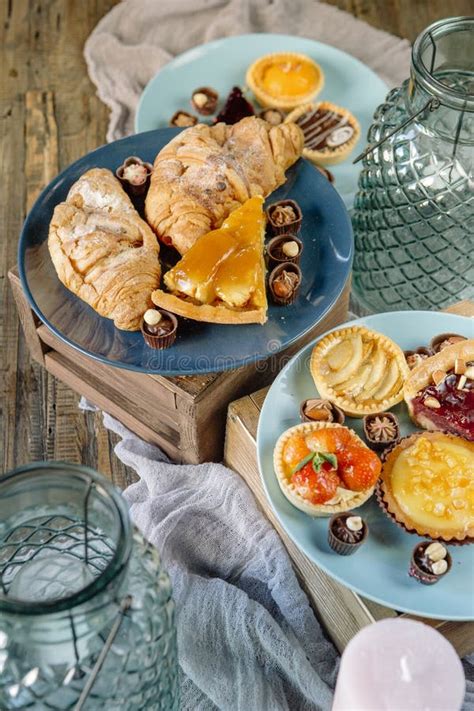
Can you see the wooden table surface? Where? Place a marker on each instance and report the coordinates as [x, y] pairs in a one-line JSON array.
[[49, 117]]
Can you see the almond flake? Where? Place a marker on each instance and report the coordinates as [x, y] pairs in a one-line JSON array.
[[432, 402], [461, 383], [459, 366], [438, 376]]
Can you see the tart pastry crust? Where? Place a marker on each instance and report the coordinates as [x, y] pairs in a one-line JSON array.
[[327, 155], [281, 93], [426, 486], [420, 377], [345, 499], [360, 370], [206, 172]]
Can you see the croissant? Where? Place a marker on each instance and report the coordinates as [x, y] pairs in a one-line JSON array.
[[206, 172], [103, 251]]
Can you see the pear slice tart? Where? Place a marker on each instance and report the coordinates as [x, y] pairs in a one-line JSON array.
[[359, 370], [324, 468]]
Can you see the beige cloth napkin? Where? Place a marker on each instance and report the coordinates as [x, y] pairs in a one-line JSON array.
[[135, 39]]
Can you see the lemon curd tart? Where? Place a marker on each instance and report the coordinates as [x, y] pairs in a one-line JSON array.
[[427, 486], [284, 80], [221, 278]]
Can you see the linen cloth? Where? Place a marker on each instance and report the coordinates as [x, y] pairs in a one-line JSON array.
[[137, 37], [248, 640]]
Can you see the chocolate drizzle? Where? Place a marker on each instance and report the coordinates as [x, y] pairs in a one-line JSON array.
[[318, 125]]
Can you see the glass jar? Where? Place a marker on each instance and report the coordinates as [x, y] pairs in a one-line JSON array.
[[86, 615], [413, 214]]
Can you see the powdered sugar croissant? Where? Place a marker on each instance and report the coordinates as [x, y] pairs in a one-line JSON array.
[[206, 172], [103, 251]]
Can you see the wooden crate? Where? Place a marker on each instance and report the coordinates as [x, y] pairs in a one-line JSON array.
[[341, 611], [184, 415]]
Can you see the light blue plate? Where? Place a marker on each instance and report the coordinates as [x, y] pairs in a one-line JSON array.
[[378, 570], [223, 63]]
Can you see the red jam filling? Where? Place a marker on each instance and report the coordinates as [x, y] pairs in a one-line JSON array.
[[456, 405]]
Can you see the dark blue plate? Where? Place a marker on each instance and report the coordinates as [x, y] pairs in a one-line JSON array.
[[200, 347]]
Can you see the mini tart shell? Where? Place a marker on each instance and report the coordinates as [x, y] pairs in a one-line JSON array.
[[389, 504], [348, 405], [420, 377], [330, 156], [319, 510], [285, 102]]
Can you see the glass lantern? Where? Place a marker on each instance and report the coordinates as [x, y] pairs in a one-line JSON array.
[[413, 215], [86, 614]]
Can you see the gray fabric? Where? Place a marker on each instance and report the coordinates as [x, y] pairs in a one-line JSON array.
[[247, 637], [137, 37]]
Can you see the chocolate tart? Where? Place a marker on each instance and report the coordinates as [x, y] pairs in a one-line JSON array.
[[442, 340], [283, 285], [341, 539], [204, 100], [439, 392], [183, 119], [414, 358], [381, 430], [272, 116], [157, 337], [134, 175], [284, 80], [425, 486], [423, 569], [344, 500], [321, 408], [284, 217], [360, 370], [330, 131], [276, 250]]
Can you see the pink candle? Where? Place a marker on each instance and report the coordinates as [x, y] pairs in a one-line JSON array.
[[399, 665]]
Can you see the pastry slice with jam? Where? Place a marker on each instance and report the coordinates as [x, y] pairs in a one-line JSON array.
[[440, 391]]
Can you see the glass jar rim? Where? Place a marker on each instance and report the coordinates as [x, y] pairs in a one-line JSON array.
[[446, 95], [113, 568]]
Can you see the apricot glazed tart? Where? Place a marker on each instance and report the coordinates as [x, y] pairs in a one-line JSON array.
[[330, 131], [284, 80], [221, 278], [427, 486], [359, 370], [439, 392], [324, 468]]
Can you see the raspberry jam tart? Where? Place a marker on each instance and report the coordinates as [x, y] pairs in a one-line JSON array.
[[440, 391], [325, 468]]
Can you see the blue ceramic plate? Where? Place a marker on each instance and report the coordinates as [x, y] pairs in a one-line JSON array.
[[223, 63], [199, 348], [378, 570]]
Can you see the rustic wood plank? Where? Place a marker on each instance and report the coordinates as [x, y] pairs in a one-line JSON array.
[[64, 369], [29, 321]]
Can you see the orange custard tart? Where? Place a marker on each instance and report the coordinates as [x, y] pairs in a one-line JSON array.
[[427, 486], [359, 370], [324, 468], [284, 80]]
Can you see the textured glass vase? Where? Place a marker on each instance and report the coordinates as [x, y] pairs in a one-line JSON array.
[[86, 615], [413, 214]]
